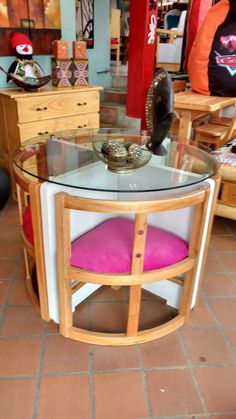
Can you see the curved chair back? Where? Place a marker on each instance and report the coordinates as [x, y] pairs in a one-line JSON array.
[[171, 19], [72, 277], [29, 209]]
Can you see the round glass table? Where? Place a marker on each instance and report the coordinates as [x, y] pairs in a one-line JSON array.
[[109, 164], [74, 158]]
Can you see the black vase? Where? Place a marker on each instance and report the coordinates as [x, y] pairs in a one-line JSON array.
[[4, 188]]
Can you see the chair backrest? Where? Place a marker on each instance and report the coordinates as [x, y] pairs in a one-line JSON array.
[[182, 21], [115, 24], [140, 210], [171, 19]]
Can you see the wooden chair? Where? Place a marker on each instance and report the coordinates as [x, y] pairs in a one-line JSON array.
[[115, 34], [215, 135], [28, 199], [74, 274], [168, 55]]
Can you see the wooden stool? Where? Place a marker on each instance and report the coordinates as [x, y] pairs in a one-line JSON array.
[[215, 136], [226, 204]]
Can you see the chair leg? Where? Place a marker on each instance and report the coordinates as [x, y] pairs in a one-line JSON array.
[[187, 295], [65, 304], [134, 309]]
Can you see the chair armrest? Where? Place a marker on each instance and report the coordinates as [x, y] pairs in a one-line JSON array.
[[172, 34]]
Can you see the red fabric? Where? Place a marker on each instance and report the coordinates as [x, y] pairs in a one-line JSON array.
[[108, 247], [114, 41], [27, 225], [20, 39], [142, 49]]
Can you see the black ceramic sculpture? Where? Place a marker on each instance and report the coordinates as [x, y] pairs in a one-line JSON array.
[[159, 110], [4, 188]]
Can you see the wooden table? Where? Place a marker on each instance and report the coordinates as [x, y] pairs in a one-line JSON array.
[[190, 106], [66, 161]]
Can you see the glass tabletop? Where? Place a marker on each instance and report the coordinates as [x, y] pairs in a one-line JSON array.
[[112, 160]]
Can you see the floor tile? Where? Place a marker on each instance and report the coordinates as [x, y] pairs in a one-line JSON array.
[[231, 335], [224, 309], [11, 206], [111, 357], [108, 317], [73, 356], [232, 416], [213, 263], [218, 388], [206, 346], [20, 272], [19, 294], [229, 260], [231, 225], [11, 218], [223, 243], [154, 313], [7, 267], [22, 321], [19, 356], [201, 316], [17, 398], [119, 395], [10, 233], [10, 249], [220, 226], [81, 316], [64, 397], [52, 327], [173, 393], [4, 287], [163, 352], [216, 285]]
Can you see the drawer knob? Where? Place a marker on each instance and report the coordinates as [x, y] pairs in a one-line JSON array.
[[82, 126], [44, 108], [42, 133], [79, 126], [81, 104]]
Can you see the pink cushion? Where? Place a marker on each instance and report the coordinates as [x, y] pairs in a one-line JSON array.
[[27, 225], [108, 247], [114, 41]]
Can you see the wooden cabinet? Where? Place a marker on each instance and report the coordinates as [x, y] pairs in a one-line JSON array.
[[24, 115]]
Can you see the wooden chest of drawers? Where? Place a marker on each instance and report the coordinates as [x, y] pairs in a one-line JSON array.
[[24, 115]]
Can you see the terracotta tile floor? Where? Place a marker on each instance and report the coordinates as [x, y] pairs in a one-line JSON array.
[[188, 374]]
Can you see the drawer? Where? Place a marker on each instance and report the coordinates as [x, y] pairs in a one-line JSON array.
[[32, 129], [54, 106], [82, 121]]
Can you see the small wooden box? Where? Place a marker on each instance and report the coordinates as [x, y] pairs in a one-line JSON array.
[[60, 49], [67, 73], [79, 50]]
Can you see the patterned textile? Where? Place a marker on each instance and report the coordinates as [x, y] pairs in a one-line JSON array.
[[70, 72]]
